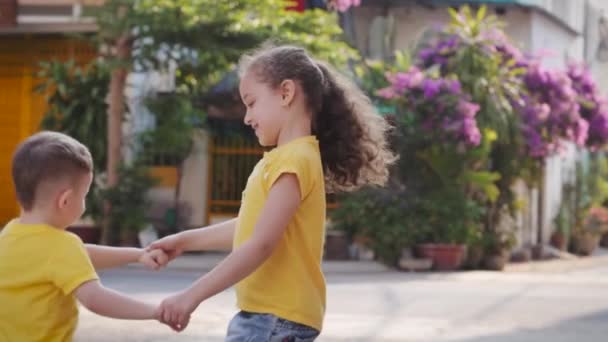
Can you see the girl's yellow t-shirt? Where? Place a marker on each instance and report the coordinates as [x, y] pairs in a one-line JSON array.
[[290, 284]]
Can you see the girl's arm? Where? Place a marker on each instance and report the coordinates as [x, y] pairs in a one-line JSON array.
[[109, 257], [282, 203], [216, 237]]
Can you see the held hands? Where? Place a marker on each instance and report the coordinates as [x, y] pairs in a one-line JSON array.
[[161, 252], [154, 259], [175, 311], [170, 245]]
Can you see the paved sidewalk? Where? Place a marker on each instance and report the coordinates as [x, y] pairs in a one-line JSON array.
[[368, 303]]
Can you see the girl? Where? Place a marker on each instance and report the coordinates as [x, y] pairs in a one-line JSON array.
[[327, 136]]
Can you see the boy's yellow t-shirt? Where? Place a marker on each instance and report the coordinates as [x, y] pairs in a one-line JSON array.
[[40, 267], [290, 284]]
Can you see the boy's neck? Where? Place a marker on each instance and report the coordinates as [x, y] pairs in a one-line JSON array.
[[38, 217]]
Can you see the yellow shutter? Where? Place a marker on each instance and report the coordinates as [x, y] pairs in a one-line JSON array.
[[20, 109]]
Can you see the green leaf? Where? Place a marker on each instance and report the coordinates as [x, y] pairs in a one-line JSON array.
[[481, 13]]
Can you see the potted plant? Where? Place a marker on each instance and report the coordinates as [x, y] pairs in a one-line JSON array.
[[128, 199], [77, 107], [560, 237], [497, 249], [604, 240], [384, 220], [586, 237], [452, 221]]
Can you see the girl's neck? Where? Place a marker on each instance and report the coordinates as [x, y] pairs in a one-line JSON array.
[[295, 129]]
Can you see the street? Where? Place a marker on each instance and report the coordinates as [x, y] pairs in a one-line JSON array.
[[391, 306]]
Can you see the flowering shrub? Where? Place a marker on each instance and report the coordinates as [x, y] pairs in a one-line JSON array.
[[342, 5], [550, 112], [593, 107], [437, 104]]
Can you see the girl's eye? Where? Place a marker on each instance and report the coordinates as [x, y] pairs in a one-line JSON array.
[[251, 104]]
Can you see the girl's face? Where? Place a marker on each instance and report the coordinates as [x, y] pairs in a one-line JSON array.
[[265, 110]]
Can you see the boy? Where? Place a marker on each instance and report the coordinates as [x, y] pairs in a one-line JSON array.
[[43, 268]]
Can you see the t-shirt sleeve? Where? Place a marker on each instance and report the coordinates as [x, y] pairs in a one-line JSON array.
[[293, 164], [70, 265]]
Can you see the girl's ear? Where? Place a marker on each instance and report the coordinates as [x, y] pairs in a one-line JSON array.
[[287, 91]]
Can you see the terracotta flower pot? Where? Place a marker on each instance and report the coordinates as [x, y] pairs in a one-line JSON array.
[[473, 258], [495, 262], [336, 246], [446, 257], [559, 241], [604, 240], [585, 243]]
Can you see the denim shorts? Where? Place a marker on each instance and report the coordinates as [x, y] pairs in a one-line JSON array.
[[255, 327]]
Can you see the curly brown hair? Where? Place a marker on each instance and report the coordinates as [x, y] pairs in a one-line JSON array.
[[352, 135]]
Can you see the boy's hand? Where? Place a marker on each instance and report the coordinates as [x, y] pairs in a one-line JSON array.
[[169, 244], [154, 259], [176, 310]]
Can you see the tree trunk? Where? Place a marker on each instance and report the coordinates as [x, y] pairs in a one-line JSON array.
[[178, 186], [541, 209], [116, 108]]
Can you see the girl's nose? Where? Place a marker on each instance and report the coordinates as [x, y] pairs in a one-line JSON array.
[[247, 119]]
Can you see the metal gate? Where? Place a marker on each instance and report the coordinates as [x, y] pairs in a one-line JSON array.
[[232, 157]]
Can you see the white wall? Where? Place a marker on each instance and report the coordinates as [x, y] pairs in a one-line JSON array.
[[194, 182], [546, 34], [560, 45], [412, 21], [599, 67]]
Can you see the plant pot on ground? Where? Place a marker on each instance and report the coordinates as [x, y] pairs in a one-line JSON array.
[[584, 243], [559, 240], [586, 237], [497, 249], [474, 257], [445, 257], [604, 240], [336, 245], [496, 261]]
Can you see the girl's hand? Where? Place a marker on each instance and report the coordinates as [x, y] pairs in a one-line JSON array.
[[176, 310], [171, 245]]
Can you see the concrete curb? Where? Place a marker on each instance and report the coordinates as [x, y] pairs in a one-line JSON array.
[[559, 265], [204, 262]]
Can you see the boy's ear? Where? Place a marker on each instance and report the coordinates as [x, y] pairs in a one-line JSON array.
[[64, 197]]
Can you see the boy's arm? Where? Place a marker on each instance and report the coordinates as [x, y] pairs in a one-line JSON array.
[[108, 303], [109, 257]]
